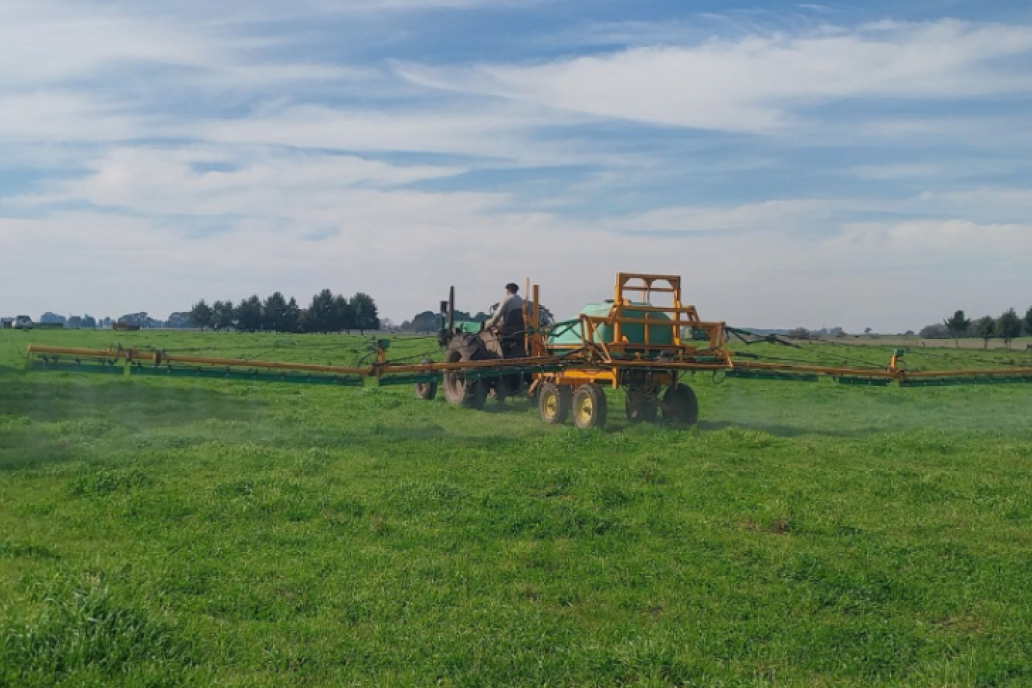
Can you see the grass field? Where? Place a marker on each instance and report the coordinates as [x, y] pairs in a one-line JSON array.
[[1017, 346], [177, 532]]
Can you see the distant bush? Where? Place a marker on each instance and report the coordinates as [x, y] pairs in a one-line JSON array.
[[936, 331]]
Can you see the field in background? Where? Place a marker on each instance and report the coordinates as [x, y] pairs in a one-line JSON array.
[[1017, 345], [181, 532]]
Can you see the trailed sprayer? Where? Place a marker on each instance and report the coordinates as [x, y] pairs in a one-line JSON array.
[[644, 341]]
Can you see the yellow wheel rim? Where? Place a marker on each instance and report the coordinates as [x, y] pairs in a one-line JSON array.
[[551, 405], [585, 410]]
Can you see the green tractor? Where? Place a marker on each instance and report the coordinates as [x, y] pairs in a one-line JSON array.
[[467, 340]]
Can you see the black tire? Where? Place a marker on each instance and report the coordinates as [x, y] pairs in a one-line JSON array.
[[509, 388], [639, 409], [554, 403], [426, 391], [590, 408], [681, 405], [471, 347], [459, 391]]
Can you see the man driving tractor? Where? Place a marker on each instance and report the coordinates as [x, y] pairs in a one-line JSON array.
[[507, 322]]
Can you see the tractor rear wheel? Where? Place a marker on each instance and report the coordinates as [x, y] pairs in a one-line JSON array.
[[426, 391], [589, 407], [680, 405], [553, 403], [458, 390]]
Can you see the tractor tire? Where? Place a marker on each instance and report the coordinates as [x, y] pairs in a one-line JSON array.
[[681, 406], [639, 409], [459, 391], [589, 407], [509, 388], [426, 391], [554, 403]]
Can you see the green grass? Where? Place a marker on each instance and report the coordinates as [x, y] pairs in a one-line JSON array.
[[194, 532]]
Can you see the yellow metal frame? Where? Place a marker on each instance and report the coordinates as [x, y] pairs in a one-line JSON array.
[[597, 361]]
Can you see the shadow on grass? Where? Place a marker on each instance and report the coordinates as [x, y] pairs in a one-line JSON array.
[[124, 401], [58, 420], [780, 430], [508, 408]]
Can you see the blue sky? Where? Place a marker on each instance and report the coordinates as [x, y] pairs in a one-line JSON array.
[[836, 163]]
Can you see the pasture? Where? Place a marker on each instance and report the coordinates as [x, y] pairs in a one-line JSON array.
[[178, 532]]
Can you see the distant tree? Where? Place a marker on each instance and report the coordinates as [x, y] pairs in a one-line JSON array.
[[342, 318], [318, 316], [959, 325], [52, 318], [387, 324], [427, 321], [1028, 321], [89, 322], [1008, 326], [291, 317], [105, 322], [202, 315], [223, 315], [274, 312], [141, 319], [867, 331], [936, 331], [364, 312], [74, 322], [178, 320], [799, 333], [985, 329], [249, 314]]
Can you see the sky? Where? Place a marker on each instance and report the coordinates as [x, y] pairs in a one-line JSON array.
[[830, 164]]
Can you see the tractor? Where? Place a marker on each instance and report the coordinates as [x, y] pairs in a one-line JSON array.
[[622, 343], [464, 341]]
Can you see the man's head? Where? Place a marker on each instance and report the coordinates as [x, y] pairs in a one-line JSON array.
[[511, 288]]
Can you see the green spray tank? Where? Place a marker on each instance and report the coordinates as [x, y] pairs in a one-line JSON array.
[[568, 333]]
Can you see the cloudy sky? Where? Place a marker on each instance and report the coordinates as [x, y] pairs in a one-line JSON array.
[[841, 163]]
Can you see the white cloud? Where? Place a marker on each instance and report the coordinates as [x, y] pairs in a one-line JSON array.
[[46, 40], [54, 42], [63, 116], [754, 83], [928, 240], [494, 131], [1003, 204], [216, 182], [778, 215]]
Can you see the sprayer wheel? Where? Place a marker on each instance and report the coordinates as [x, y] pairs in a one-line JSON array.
[[680, 405], [553, 403], [589, 407], [640, 409], [426, 391]]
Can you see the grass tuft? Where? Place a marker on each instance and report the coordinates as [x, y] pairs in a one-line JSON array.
[[87, 632]]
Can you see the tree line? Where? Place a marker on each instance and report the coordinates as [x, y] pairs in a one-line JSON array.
[[428, 321], [327, 312], [1007, 326]]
